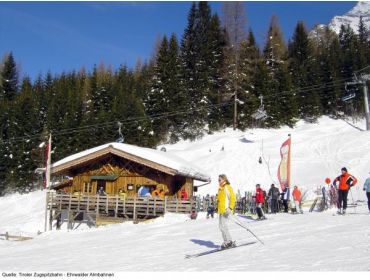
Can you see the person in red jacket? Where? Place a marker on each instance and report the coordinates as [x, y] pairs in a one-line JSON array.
[[297, 197], [184, 195], [260, 200], [346, 181]]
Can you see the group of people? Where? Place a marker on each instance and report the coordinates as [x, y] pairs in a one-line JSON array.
[[273, 199], [226, 200], [144, 191]]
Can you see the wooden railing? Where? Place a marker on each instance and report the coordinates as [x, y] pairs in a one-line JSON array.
[[117, 206]]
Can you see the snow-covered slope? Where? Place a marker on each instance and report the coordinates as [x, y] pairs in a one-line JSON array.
[[352, 18], [309, 242], [318, 151]]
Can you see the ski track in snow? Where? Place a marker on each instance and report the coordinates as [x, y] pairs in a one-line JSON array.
[[310, 242]]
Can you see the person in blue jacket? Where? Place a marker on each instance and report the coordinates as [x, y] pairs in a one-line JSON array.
[[144, 192], [367, 190]]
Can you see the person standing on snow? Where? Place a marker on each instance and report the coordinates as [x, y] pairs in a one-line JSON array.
[[297, 197], [225, 207], [274, 194], [367, 190], [260, 200], [286, 197], [346, 181]]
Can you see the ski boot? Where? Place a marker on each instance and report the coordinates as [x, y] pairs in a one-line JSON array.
[[339, 212], [227, 245], [344, 212]]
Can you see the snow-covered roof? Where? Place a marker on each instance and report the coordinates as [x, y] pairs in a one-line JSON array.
[[146, 156]]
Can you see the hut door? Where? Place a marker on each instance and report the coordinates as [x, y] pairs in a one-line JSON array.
[[101, 183]]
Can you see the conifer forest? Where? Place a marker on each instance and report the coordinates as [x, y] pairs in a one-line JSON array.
[[214, 76]]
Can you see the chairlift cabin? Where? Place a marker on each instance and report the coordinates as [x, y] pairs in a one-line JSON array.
[[261, 113], [350, 89]]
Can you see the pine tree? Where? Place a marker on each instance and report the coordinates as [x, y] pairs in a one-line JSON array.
[[348, 64], [275, 55], [327, 53], [275, 51], [189, 56], [175, 90], [26, 124], [347, 40], [198, 50], [287, 102], [158, 99], [249, 58], [235, 22], [128, 109], [363, 51], [262, 86], [142, 80], [216, 64], [304, 74], [9, 78], [200, 100], [102, 96], [8, 94]]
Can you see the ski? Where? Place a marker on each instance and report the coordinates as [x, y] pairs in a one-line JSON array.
[[251, 218], [217, 250]]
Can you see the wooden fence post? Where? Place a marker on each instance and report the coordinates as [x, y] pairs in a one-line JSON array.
[[124, 205], [69, 211], [165, 204], [155, 206], [134, 214], [97, 206], [51, 213], [115, 212]]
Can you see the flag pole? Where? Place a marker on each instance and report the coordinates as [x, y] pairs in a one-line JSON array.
[[47, 177], [48, 161], [289, 158]]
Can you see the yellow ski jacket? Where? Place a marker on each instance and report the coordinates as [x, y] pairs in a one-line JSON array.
[[225, 198]]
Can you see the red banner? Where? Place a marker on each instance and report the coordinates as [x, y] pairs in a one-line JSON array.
[[284, 166]]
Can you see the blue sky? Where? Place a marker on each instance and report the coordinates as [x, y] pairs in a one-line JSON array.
[[64, 36]]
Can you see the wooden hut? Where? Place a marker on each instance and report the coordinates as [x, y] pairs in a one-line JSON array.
[[117, 166]]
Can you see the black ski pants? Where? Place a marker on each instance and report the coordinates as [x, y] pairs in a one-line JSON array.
[[260, 210], [285, 203], [368, 199], [274, 205], [342, 197]]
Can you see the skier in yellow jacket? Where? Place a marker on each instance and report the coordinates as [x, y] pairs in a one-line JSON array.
[[226, 204]]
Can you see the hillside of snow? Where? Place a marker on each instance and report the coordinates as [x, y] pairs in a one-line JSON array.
[[352, 18], [317, 241], [309, 242], [318, 151]]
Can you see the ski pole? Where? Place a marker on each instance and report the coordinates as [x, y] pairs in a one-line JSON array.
[[355, 204], [241, 225]]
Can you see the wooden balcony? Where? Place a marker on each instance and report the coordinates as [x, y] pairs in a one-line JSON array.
[[95, 209]]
